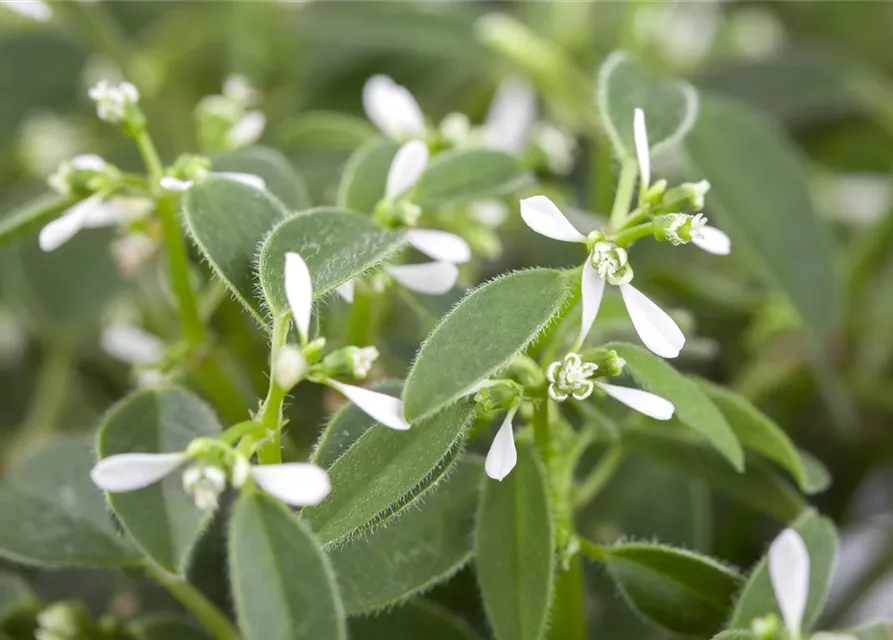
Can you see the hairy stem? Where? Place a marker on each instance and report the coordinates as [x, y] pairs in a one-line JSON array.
[[629, 235], [198, 605], [625, 186], [271, 411]]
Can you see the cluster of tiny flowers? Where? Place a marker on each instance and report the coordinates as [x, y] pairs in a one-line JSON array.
[[114, 100], [611, 262], [204, 483], [571, 378]]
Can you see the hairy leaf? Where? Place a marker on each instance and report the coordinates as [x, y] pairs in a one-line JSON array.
[[413, 621], [282, 180], [468, 174], [363, 182]]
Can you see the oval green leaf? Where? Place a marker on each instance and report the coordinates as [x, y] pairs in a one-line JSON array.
[[161, 519], [318, 130], [514, 550], [481, 336], [381, 469], [336, 245], [282, 180], [30, 217], [674, 588], [468, 174], [758, 599], [55, 515], [282, 583], [756, 432], [670, 106], [693, 407], [759, 194], [422, 548], [415, 620], [363, 182], [228, 221]]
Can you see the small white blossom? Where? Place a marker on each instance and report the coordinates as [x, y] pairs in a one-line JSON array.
[[205, 484], [611, 263], [571, 378], [247, 129], [364, 358], [290, 367], [114, 100], [789, 574], [392, 109]]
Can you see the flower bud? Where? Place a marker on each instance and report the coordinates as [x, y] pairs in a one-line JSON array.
[[497, 397], [608, 361], [350, 361], [678, 228], [686, 198], [290, 367], [62, 621], [313, 350], [767, 627], [655, 192], [205, 483], [400, 213], [119, 104], [84, 175]]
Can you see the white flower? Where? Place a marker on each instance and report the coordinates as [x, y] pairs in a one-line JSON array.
[[247, 129], [299, 292], [113, 100], [392, 109], [95, 211], [789, 573], [297, 484], [290, 367], [131, 344], [170, 183], [502, 456], [34, 9], [655, 328], [510, 118]]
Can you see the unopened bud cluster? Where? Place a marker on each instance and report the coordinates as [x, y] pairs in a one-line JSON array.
[[400, 213], [678, 228], [353, 362], [118, 104], [228, 120], [84, 175], [498, 396]]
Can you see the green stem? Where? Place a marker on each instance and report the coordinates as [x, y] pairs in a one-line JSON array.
[[198, 605], [600, 475], [271, 411], [541, 438], [592, 550], [629, 235], [625, 186]]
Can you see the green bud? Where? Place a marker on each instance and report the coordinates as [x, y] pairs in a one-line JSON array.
[[63, 621], [498, 397], [685, 198], [191, 167], [313, 350], [393, 214], [655, 192], [767, 627], [349, 362], [609, 361]]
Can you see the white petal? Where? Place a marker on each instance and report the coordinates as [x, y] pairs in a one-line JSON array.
[[245, 178], [247, 129], [406, 169], [544, 217], [66, 226], [502, 456], [824, 635], [170, 183], [440, 245], [346, 291], [299, 292], [118, 210], [646, 403], [35, 9], [131, 344], [132, 471], [656, 329], [592, 289], [640, 135], [386, 409], [433, 278], [392, 108], [299, 484], [789, 573], [510, 116], [88, 162], [714, 241]]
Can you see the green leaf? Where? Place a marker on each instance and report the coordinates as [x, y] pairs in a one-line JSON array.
[[735, 635], [167, 627], [161, 518], [759, 485], [61, 519], [381, 469], [325, 130], [15, 595], [693, 407], [422, 548], [363, 182], [228, 221], [877, 631], [336, 245], [468, 174], [674, 588], [413, 621], [756, 432], [514, 550], [818, 478], [758, 599], [282, 583], [759, 193], [670, 106], [481, 336], [280, 177], [29, 218]]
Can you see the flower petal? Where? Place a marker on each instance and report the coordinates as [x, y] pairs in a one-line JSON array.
[[299, 292], [386, 409], [132, 471], [66, 226], [34, 9], [247, 129], [544, 217], [131, 344], [656, 329], [299, 484], [346, 291], [406, 168], [592, 290], [789, 574], [714, 241], [116, 211], [170, 183], [502, 456], [510, 117], [432, 278], [645, 403], [440, 245], [392, 108], [640, 136], [245, 178]]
